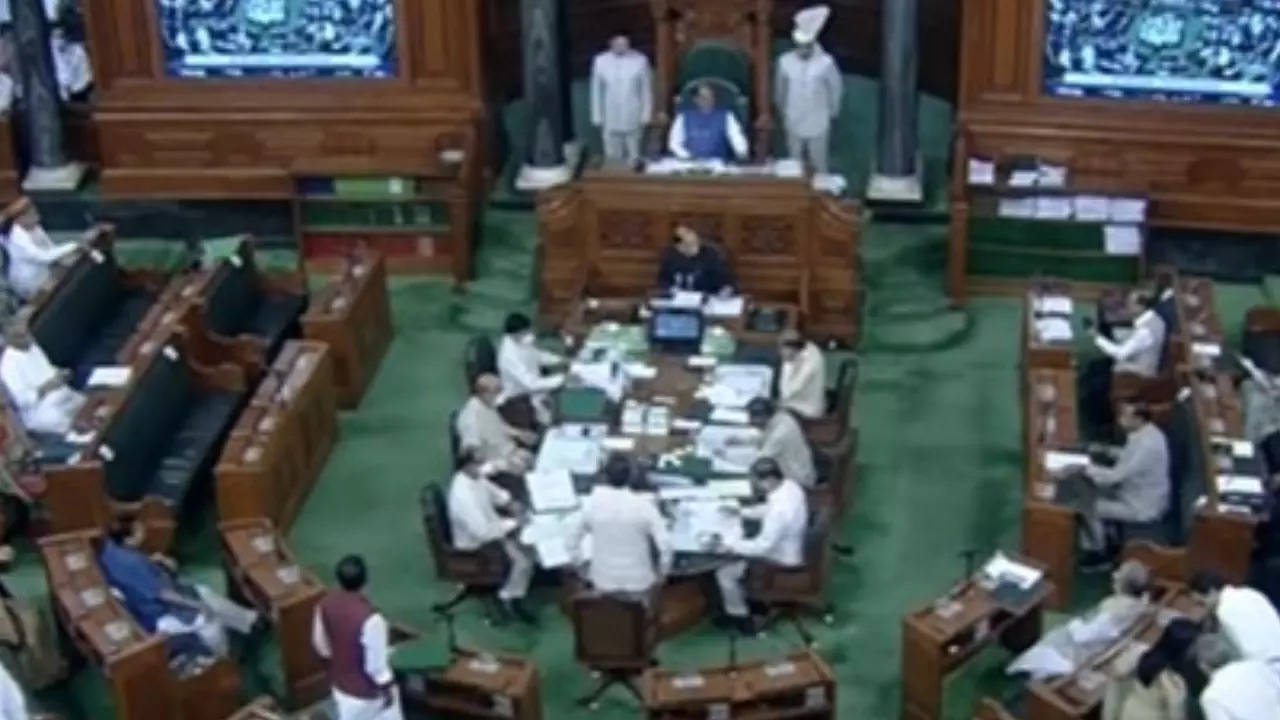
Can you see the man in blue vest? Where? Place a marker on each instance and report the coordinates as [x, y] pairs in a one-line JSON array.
[[707, 132]]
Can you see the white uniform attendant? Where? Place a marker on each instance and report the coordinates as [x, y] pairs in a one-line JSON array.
[[784, 519], [802, 386], [732, 128], [1244, 690], [1251, 623], [626, 531], [1140, 352], [24, 372], [474, 518], [784, 441], [31, 257], [621, 101], [71, 66], [482, 429], [520, 365], [13, 705], [374, 639], [808, 90]]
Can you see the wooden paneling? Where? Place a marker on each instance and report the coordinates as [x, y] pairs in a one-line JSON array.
[[243, 138], [1201, 166], [852, 35]]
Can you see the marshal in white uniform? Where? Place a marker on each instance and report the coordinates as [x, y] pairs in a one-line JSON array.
[[621, 99], [808, 91]]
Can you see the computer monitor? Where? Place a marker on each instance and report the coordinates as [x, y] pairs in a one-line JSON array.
[[672, 330]]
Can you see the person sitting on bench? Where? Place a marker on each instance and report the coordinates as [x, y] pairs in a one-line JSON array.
[[45, 402]]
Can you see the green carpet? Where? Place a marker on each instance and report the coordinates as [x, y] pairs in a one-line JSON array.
[[938, 473]]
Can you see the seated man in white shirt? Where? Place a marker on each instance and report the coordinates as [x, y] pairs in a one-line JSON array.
[[783, 439], [1243, 616], [480, 426], [474, 517], [1238, 689], [802, 385], [630, 551], [520, 366], [707, 132], [32, 254], [784, 520], [45, 402]]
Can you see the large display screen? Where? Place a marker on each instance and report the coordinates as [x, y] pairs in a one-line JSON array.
[[278, 38], [1192, 51]]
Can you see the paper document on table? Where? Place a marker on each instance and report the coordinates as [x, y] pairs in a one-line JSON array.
[[735, 488], [1057, 460], [1240, 485], [1053, 330], [618, 444], [1242, 449], [113, 376], [1023, 178], [981, 172], [1210, 350], [696, 524], [1053, 305], [731, 448], [724, 307], [728, 415], [685, 300], [606, 376], [549, 535], [1020, 208], [1122, 240], [788, 168], [1054, 176], [1053, 207], [551, 490], [746, 381], [1092, 208], [1128, 210], [640, 371], [1001, 568], [576, 454]]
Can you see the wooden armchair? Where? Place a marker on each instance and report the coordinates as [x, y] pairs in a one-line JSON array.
[[614, 635], [727, 42], [788, 592], [834, 463], [831, 427], [478, 572]]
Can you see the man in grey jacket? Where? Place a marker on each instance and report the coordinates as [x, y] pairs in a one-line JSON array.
[[1136, 487]]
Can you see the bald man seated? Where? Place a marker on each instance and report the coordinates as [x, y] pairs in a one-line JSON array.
[[483, 431]]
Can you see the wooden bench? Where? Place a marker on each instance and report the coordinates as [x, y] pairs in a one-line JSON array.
[[264, 573], [88, 310], [281, 441], [152, 443], [353, 315], [134, 662]]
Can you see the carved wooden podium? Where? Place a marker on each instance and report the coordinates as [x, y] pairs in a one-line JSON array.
[[683, 25]]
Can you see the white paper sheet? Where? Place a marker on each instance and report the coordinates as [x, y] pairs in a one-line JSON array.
[[551, 490], [1122, 240], [728, 415], [113, 376], [1128, 210], [1057, 461], [694, 523], [720, 307], [1053, 207], [981, 172], [1000, 567], [1023, 178], [1054, 330], [1054, 305], [1242, 449], [564, 451], [1240, 485], [1092, 208], [1210, 350], [1019, 208], [1051, 176]]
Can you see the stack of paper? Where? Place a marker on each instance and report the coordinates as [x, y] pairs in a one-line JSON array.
[[1092, 208], [747, 382], [697, 525], [1053, 329], [114, 376], [549, 534], [788, 168], [563, 451], [551, 490], [1002, 569], [1019, 208], [731, 448], [1051, 176], [981, 172], [1024, 178], [1122, 240], [1053, 207], [1058, 461], [722, 307], [1240, 485], [1128, 210], [1053, 305]]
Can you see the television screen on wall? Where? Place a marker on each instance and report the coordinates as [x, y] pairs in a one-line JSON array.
[[278, 38], [1189, 51]]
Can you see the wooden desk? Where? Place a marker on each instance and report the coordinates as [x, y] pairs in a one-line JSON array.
[[1035, 352], [353, 315], [263, 571], [1050, 422], [136, 664], [1079, 695], [282, 440], [934, 646], [800, 687], [475, 686], [604, 234]]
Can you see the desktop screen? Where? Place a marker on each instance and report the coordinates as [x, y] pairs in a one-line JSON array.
[[1190, 51], [278, 38], [671, 326]]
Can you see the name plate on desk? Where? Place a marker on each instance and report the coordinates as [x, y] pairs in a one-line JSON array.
[[484, 665], [781, 669], [503, 705], [76, 561], [688, 682], [93, 597], [289, 574], [264, 544]]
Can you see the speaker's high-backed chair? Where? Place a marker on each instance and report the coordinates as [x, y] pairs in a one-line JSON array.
[[727, 43]]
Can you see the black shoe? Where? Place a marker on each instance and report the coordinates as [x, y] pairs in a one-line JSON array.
[[746, 626], [517, 609]]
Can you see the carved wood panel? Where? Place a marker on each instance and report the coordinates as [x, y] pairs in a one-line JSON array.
[[768, 236], [625, 230]]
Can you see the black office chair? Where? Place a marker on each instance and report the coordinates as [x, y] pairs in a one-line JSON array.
[[455, 440], [614, 636], [479, 572], [789, 592]]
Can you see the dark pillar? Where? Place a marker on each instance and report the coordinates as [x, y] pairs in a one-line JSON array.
[[897, 171], [544, 94]]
